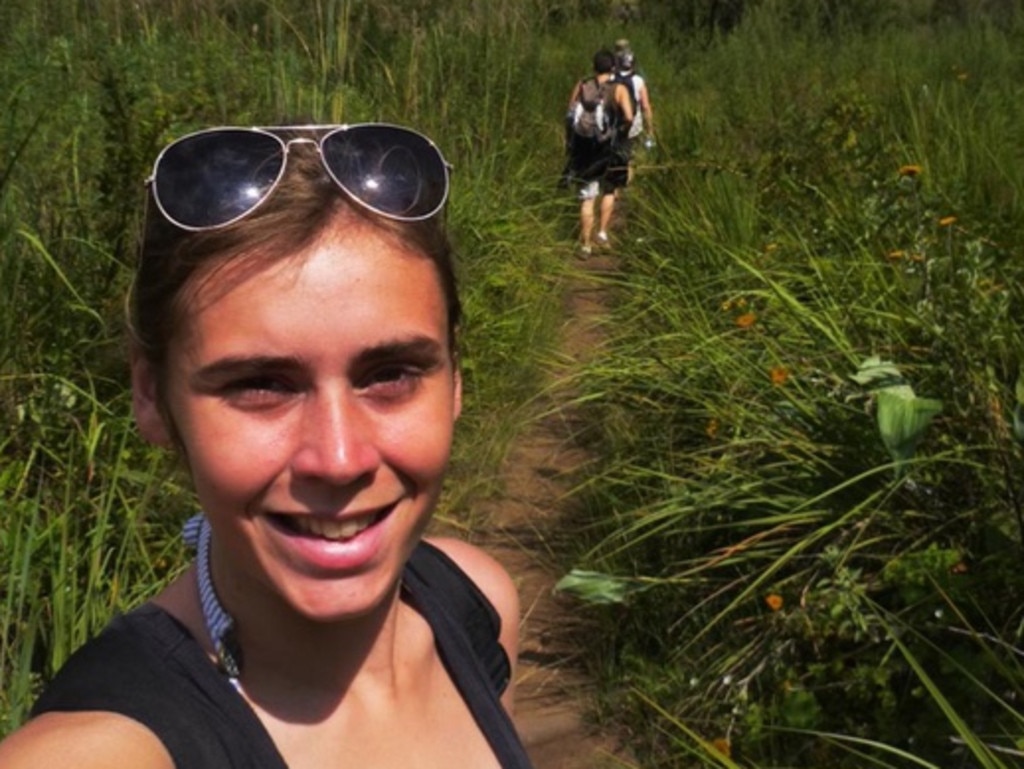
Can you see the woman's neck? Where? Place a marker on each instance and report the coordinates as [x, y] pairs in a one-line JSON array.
[[284, 657]]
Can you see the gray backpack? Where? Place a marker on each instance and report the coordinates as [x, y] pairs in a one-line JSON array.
[[593, 114]]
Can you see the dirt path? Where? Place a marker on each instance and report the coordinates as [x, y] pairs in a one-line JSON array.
[[523, 531]]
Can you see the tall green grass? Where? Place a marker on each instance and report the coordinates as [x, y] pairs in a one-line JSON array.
[[808, 519], [804, 563]]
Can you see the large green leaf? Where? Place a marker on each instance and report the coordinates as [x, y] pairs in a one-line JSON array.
[[874, 374], [595, 587], [903, 419]]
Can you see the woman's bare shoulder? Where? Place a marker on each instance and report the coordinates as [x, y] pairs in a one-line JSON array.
[[500, 588], [488, 574], [85, 740]]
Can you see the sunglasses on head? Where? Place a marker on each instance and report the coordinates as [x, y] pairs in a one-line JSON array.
[[215, 177]]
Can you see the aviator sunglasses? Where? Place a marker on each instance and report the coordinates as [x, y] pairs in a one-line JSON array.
[[215, 177]]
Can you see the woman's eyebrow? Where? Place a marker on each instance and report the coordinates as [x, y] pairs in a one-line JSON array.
[[242, 365], [231, 367], [415, 347]]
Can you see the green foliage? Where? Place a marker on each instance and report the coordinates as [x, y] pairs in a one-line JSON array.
[[809, 458], [902, 416], [792, 561]]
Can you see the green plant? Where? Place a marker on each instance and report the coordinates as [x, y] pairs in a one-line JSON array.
[[818, 543]]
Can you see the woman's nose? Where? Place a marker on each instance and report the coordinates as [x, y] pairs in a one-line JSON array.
[[337, 441]]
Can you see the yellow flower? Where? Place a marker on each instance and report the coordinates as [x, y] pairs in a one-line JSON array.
[[727, 305], [945, 221], [712, 428], [911, 169], [771, 247], [723, 746], [746, 320], [779, 375], [774, 601], [895, 255]]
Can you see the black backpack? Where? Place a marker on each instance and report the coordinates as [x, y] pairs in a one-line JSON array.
[[627, 80]]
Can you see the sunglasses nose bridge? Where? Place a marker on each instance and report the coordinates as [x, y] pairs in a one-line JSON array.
[[299, 140], [286, 145]]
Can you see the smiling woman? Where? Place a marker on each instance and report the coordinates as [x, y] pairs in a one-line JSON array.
[[294, 329]]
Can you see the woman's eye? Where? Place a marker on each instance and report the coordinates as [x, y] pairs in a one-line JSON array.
[[257, 391], [392, 382]]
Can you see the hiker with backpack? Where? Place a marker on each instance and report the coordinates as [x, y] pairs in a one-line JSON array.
[[597, 135], [643, 113]]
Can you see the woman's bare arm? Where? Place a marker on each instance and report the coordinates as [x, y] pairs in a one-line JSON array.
[[625, 103], [647, 109], [575, 93], [83, 740]]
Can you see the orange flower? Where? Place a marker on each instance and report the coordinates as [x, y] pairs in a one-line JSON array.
[[774, 601], [911, 169], [945, 221], [746, 320], [723, 746], [779, 375]]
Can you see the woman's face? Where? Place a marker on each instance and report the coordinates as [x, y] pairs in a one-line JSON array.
[[315, 402]]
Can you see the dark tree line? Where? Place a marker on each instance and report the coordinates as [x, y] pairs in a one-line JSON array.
[[681, 21]]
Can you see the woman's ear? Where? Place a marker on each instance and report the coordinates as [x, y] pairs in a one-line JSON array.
[[456, 385], [146, 402], [457, 392]]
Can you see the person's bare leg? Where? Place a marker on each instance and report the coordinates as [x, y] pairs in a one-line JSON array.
[[586, 223], [607, 208]]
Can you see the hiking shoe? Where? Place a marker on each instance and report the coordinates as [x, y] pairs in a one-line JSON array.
[[602, 238], [584, 251]]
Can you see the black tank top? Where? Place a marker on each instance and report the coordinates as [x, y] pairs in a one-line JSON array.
[[147, 666]]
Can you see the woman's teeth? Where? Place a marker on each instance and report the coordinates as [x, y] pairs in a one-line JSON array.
[[331, 529]]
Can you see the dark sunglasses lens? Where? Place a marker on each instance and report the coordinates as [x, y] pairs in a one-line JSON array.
[[211, 179], [388, 169]]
